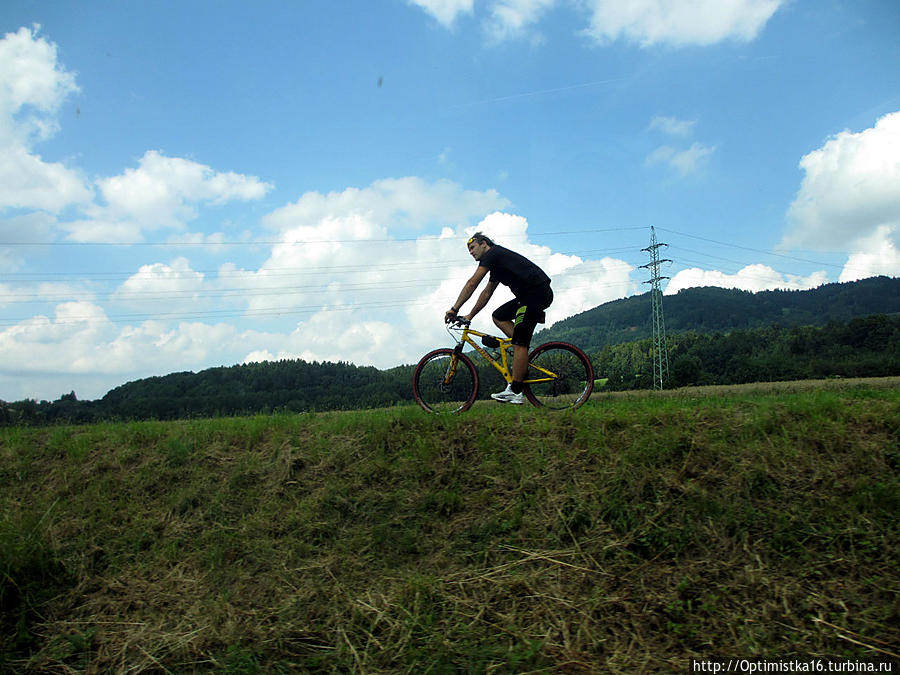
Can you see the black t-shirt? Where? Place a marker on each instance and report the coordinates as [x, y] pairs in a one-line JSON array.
[[513, 270]]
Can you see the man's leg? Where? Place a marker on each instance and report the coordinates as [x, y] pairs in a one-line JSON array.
[[513, 391], [527, 318], [520, 353], [506, 326], [520, 363], [503, 319]]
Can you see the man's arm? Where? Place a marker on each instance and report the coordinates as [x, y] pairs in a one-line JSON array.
[[466, 293], [483, 299]]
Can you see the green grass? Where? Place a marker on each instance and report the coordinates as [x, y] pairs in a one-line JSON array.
[[630, 536]]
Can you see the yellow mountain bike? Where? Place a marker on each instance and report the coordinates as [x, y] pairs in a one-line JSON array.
[[560, 376]]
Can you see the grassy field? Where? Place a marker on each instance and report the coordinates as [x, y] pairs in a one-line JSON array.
[[628, 537]]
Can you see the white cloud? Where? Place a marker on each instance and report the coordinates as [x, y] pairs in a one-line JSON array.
[[445, 11], [28, 182], [334, 259], [514, 18], [29, 293], [162, 288], [403, 202], [672, 126], [258, 356], [750, 278], [32, 88], [156, 346], [678, 22], [82, 344], [850, 190], [334, 335], [878, 254], [645, 22], [64, 343], [379, 292], [685, 162], [343, 242], [162, 192], [394, 293], [31, 83]]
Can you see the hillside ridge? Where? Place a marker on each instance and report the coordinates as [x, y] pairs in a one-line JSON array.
[[709, 309]]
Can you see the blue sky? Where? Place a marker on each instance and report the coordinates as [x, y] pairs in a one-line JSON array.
[[192, 184]]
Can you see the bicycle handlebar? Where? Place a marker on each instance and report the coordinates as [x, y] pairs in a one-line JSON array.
[[459, 321]]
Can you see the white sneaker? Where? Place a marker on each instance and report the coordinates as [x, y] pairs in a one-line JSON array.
[[507, 396]]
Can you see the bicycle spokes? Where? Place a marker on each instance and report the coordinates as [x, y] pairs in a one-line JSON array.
[[560, 376], [445, 381]]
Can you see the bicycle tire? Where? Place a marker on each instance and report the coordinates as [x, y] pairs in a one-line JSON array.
[[431, 389], [573, 384]]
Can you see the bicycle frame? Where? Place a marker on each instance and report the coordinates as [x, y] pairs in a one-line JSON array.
[[503, 366]]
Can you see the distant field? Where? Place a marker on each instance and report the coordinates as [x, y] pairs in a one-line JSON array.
[[769, 387], [641, 531]]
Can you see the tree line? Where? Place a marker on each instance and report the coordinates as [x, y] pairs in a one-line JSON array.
[[862, 347]]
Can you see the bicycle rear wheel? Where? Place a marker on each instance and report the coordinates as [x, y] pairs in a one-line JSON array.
[[560, 376], [445, 382]]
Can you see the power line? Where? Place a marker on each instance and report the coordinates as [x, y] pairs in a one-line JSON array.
[[51, 277], [255, 286], [688, 263], [748, 248], [285, 310], [244, 291], [304, 242]]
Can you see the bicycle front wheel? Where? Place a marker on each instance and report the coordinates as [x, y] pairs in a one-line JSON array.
[[560, 376], [445, 382]]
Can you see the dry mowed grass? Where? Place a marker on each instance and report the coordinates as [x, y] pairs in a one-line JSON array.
[[640, 532]]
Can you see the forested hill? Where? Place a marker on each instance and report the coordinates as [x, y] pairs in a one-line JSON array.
[[255, 387], [711, 310]]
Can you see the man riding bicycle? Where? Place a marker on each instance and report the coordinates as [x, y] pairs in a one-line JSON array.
[[516, 318]]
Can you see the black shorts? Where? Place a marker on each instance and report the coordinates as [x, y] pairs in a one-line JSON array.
[[525, 312]]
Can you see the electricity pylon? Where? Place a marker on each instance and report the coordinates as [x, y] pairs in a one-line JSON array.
[[660, 350]]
